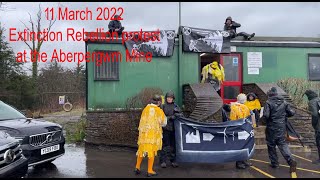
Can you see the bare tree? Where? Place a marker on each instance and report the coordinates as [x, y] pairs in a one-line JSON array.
[[36, 38]]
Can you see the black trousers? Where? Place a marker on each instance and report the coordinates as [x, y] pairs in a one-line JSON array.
[[168, 151], [272, 142], [257, 115], [317, 136], [243, 34], [119, 32]]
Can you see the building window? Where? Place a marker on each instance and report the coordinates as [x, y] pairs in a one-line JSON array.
[[314, 67], [106, 65]]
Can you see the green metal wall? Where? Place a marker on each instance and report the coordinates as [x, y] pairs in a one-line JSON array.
[[170, 73], [160, 72], [277, 63]]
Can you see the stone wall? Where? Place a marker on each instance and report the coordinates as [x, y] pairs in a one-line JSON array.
[[114, 128]]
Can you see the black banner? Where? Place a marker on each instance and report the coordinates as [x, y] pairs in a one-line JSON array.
[[214, 142], [205, 41], [159, 47]]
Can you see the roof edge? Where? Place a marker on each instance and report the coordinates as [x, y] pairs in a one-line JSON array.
[[273, 38]]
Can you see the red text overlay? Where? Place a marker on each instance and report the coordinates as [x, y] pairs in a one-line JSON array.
[[70, 34]]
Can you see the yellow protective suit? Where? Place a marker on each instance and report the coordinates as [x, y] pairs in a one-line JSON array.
[[217, 72], [255, 104], [163, 99], [239, 111], [150, 131]]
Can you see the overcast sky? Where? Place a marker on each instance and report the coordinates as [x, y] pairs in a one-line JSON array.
[[265, 19]]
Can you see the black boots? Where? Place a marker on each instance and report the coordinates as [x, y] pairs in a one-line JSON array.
[[251, 36], [137, 171], [163, 165], [317, 161], [243, 164], [247, 163], [274, 166], [240, 165], [246, 36], [152, 174], [293, 166], [174, 164]]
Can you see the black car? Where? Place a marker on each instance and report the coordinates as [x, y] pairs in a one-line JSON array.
[[41, 141], [13, 164]]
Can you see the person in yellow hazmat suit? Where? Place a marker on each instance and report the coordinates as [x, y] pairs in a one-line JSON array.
[[254, 105], [240, 111], [213, 73], [150, 134]]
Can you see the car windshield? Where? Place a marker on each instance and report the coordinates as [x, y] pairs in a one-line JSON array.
[[7, 112]]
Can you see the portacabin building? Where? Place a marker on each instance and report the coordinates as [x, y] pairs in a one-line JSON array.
[[260, 60]]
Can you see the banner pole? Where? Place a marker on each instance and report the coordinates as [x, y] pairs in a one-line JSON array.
[[179, 14], [180, 90]]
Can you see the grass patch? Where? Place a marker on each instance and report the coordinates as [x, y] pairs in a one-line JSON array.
[[296, 88], [75, 131], [73, 112]]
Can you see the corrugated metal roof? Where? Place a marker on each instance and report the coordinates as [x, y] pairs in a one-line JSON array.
[[289, 42], [282, 39], [297, 42], [259, 41]]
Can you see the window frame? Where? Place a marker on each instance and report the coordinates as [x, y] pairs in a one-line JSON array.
[[308, 65], [95, 68]]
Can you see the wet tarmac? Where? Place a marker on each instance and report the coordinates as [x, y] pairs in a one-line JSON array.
[[94, 162]]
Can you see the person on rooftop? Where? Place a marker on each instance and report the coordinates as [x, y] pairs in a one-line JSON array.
[[231, 27], [116, 26]]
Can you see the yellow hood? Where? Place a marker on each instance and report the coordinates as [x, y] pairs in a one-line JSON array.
[[214, 65]]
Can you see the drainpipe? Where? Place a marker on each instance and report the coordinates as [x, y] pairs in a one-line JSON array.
[[87, 95], [179, 71], [180, 93]]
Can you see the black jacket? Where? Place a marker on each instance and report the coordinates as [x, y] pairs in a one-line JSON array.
[[314, 103], [225, 110], [232, 29], [172, 111], [114, 24], [276, 111]]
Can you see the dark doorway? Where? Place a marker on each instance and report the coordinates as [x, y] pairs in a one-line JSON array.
[[232, 64], [207, 58]]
